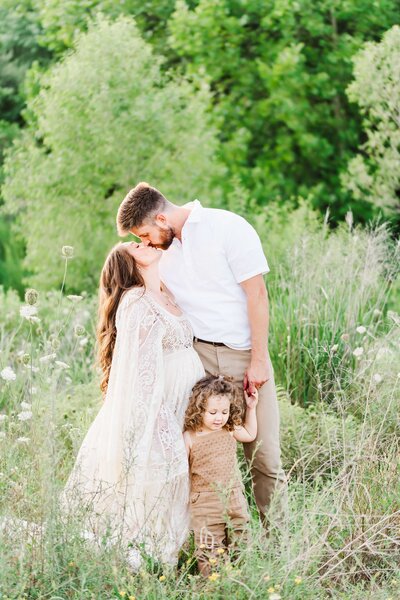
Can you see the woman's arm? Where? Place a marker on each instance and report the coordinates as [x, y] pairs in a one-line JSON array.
[[248, 431], [188, 441]]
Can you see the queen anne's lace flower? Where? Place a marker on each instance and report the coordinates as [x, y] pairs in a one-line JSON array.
[[361, 329], [8, 374], [23, 440], [357, 352], [25, 415]]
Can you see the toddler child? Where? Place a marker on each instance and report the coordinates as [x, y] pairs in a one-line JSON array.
[[213, 425]]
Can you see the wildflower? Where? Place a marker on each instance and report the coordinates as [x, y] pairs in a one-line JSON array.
[[32, 368], [71, 564], [335, 348], [132, 597], [213, 576], [83, 342], [212, 561], [162, 578], [79, 330], [61, 364], [271, 590], [361, 329], [8, 374], [47, 358], [67, 251], [26, 359], [345, 337], [55, 343], [31, 296], [28, 311], [33, 390], [220, 550], [74, 298], [357, 352], [23, 440], [275, 597], [267, 577], [377, 378], [298, 580], [24, 415], [122, 593]]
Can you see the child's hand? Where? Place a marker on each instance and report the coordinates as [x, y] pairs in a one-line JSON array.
[[251, 399]]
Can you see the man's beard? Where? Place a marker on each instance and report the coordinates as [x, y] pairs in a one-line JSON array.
[[167, 237]]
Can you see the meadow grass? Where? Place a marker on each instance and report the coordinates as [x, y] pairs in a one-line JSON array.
[[339, 437]]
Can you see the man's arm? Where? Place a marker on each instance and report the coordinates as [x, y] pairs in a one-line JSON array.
[[259, 370]]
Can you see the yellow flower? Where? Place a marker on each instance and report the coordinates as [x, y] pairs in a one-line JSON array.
[[271, 590], [220, 550], [132, 597], [202, 546], [267, 577], [122, 593], [212, 561], [213, 576], [298, 580], [71, 564], [162, 578]]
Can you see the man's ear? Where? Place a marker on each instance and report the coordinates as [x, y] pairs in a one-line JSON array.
[[161, 219]]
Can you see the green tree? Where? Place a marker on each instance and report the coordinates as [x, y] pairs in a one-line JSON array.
[[279, 70], [105, 118], [375, 172]]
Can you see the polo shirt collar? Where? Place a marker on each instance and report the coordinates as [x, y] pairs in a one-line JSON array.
[[194, 216]]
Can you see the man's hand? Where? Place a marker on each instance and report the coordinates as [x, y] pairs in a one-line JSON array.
[[256, 375]]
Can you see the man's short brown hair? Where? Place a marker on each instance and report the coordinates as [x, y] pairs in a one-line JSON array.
[[140, 204]]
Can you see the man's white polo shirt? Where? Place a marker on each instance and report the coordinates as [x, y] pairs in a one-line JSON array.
[[219, 250]]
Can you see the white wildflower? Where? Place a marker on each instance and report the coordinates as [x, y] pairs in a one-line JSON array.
[[26, 406], [28, 311], [3, 418], [32, 368], [8, 374], [25, 415], [62, 364], [48, 358], [361, 329], [345, 337], [377, 378], [33, 390], [67, 251], [274, 596], [74, 298], [358, 351], [83, 341], [23, 440], [335, 347]]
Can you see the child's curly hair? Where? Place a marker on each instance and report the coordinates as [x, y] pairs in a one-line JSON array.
[[218, 385]]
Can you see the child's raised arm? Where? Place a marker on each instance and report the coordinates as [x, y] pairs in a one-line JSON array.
[[248, 431]]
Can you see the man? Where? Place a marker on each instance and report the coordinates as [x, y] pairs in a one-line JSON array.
[[213, 263]]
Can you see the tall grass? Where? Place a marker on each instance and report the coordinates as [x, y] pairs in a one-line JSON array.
[[339, 439]]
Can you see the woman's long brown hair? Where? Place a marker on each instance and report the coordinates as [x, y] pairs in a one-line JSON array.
[[120, 273]]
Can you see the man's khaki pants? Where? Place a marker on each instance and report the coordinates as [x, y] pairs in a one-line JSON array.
[[267, 473]]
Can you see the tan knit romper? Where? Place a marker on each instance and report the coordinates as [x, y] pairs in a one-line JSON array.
[[218, 508]]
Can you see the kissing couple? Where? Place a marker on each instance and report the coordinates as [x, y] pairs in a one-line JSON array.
[[183, 348]]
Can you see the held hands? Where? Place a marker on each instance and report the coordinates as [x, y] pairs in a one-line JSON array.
[[256, 375], [251, 399]]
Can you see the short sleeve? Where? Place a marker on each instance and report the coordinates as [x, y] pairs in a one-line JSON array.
[[243, 249]]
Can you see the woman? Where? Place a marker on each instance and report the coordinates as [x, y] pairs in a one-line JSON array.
[[131, 473]]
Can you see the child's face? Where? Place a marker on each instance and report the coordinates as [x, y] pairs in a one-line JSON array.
[[216, 413]]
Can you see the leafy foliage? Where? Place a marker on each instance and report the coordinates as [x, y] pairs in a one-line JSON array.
[[279, 70], [98, 128]]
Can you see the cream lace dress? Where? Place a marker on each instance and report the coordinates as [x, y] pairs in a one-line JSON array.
[[131, 478]]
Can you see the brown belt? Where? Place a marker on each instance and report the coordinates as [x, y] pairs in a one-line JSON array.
[[196, 339]]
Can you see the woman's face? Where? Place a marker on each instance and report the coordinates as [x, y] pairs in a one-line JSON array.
[[143, 255]]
